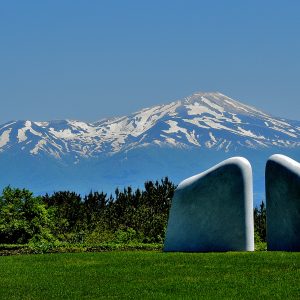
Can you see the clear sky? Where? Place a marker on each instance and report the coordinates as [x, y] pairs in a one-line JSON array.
[[92, 59]]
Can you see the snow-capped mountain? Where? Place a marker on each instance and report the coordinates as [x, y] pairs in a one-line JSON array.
[[203, 120], [175, 139]]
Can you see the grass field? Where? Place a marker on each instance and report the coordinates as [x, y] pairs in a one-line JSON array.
[[151, 275]]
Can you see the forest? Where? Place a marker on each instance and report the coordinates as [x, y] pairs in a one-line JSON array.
[[137, 216]]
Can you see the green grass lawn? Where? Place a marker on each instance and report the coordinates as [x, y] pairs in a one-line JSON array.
[[152, 275]]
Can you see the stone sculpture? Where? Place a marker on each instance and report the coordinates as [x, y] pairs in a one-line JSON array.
[[213, 211], [283, 203]]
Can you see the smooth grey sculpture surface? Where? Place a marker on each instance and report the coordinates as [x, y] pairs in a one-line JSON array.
[[213, 211], [283, 203]]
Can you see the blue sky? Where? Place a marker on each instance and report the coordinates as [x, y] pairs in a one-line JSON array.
[[92, 59]]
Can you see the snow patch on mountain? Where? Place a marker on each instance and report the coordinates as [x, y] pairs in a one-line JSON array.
[[38, 147], [245, 132], [65, 134], [22, 132], [6, 125], [41, 124], [4, 138]]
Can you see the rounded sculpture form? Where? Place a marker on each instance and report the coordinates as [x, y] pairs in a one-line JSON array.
[[283, 203], [213, 211]]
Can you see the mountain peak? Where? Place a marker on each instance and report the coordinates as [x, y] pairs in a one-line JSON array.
[[222, 103]]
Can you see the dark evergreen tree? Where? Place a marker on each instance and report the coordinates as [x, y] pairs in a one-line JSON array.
[[94, 205], [69, 214], [260, 221]]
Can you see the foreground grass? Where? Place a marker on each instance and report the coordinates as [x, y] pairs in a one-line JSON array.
[[151, 275]]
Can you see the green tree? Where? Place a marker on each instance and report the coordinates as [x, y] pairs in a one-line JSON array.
[[146, 212], [260, 221], [68, 215], [24, 218]]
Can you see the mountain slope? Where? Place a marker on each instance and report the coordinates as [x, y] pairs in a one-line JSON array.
[[175, 139], [209, 120]]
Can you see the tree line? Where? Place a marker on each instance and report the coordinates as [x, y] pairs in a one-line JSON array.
[[97, 217], [139, 215]]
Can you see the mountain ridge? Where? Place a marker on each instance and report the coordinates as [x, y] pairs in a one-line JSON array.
[[177, 139], [200, 120]]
